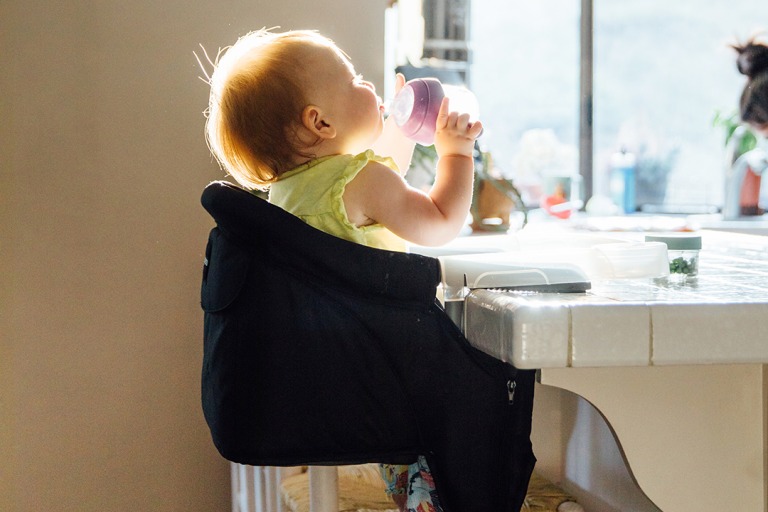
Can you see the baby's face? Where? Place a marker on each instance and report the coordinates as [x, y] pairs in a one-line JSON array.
[[350, 103]]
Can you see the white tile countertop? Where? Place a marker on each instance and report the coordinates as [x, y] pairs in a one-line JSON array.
[[679, 371], [721, 316]]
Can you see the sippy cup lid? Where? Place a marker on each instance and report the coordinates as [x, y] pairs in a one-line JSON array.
[[415, 109]]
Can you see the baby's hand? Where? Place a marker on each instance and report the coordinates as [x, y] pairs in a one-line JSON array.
[[454, 133], [399, 82]]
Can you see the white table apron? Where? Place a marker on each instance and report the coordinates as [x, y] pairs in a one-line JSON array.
[[669, 422]]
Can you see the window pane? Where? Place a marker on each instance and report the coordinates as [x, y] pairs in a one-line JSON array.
[[661, 72], [525, 72]]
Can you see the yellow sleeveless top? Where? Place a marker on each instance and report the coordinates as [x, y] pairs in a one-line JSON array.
[[314, 193]]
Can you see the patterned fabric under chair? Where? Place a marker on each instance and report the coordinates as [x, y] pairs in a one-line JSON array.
[[361, 489]]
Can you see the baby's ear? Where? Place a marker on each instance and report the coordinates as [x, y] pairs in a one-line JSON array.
[[314, 120]]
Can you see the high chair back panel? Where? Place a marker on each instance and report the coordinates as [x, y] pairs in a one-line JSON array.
[[322, 351]]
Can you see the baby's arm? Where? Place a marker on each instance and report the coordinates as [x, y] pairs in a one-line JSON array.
[[378, 195], [392, 142]]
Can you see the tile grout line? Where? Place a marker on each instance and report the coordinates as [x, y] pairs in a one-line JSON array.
[[650, 335], [569, 363]]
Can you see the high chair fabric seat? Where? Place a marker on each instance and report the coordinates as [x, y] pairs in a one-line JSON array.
[[320, 351]]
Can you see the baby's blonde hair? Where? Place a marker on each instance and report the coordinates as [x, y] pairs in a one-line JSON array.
[[255, 105]]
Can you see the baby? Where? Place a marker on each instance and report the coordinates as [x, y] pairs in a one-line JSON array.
[[289, 113], [286, 107]]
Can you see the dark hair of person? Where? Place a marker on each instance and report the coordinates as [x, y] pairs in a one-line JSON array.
[[752, 61]]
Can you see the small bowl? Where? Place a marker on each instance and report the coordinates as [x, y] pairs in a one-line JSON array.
[[683, 253]]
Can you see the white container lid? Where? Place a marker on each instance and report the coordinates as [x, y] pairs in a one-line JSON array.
[[677, 241], [631, 260]]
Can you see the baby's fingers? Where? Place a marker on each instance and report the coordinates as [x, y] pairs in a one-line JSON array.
[[470, 129], [462, 120], [442, 114], [475, 129], [399, 82]]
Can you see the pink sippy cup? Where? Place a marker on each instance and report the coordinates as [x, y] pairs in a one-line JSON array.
[[416, 106]]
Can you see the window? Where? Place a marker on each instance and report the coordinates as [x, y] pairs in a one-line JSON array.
[[661, 72], [525, 72]]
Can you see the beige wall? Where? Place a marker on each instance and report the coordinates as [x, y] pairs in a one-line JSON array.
[[101, 243]]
